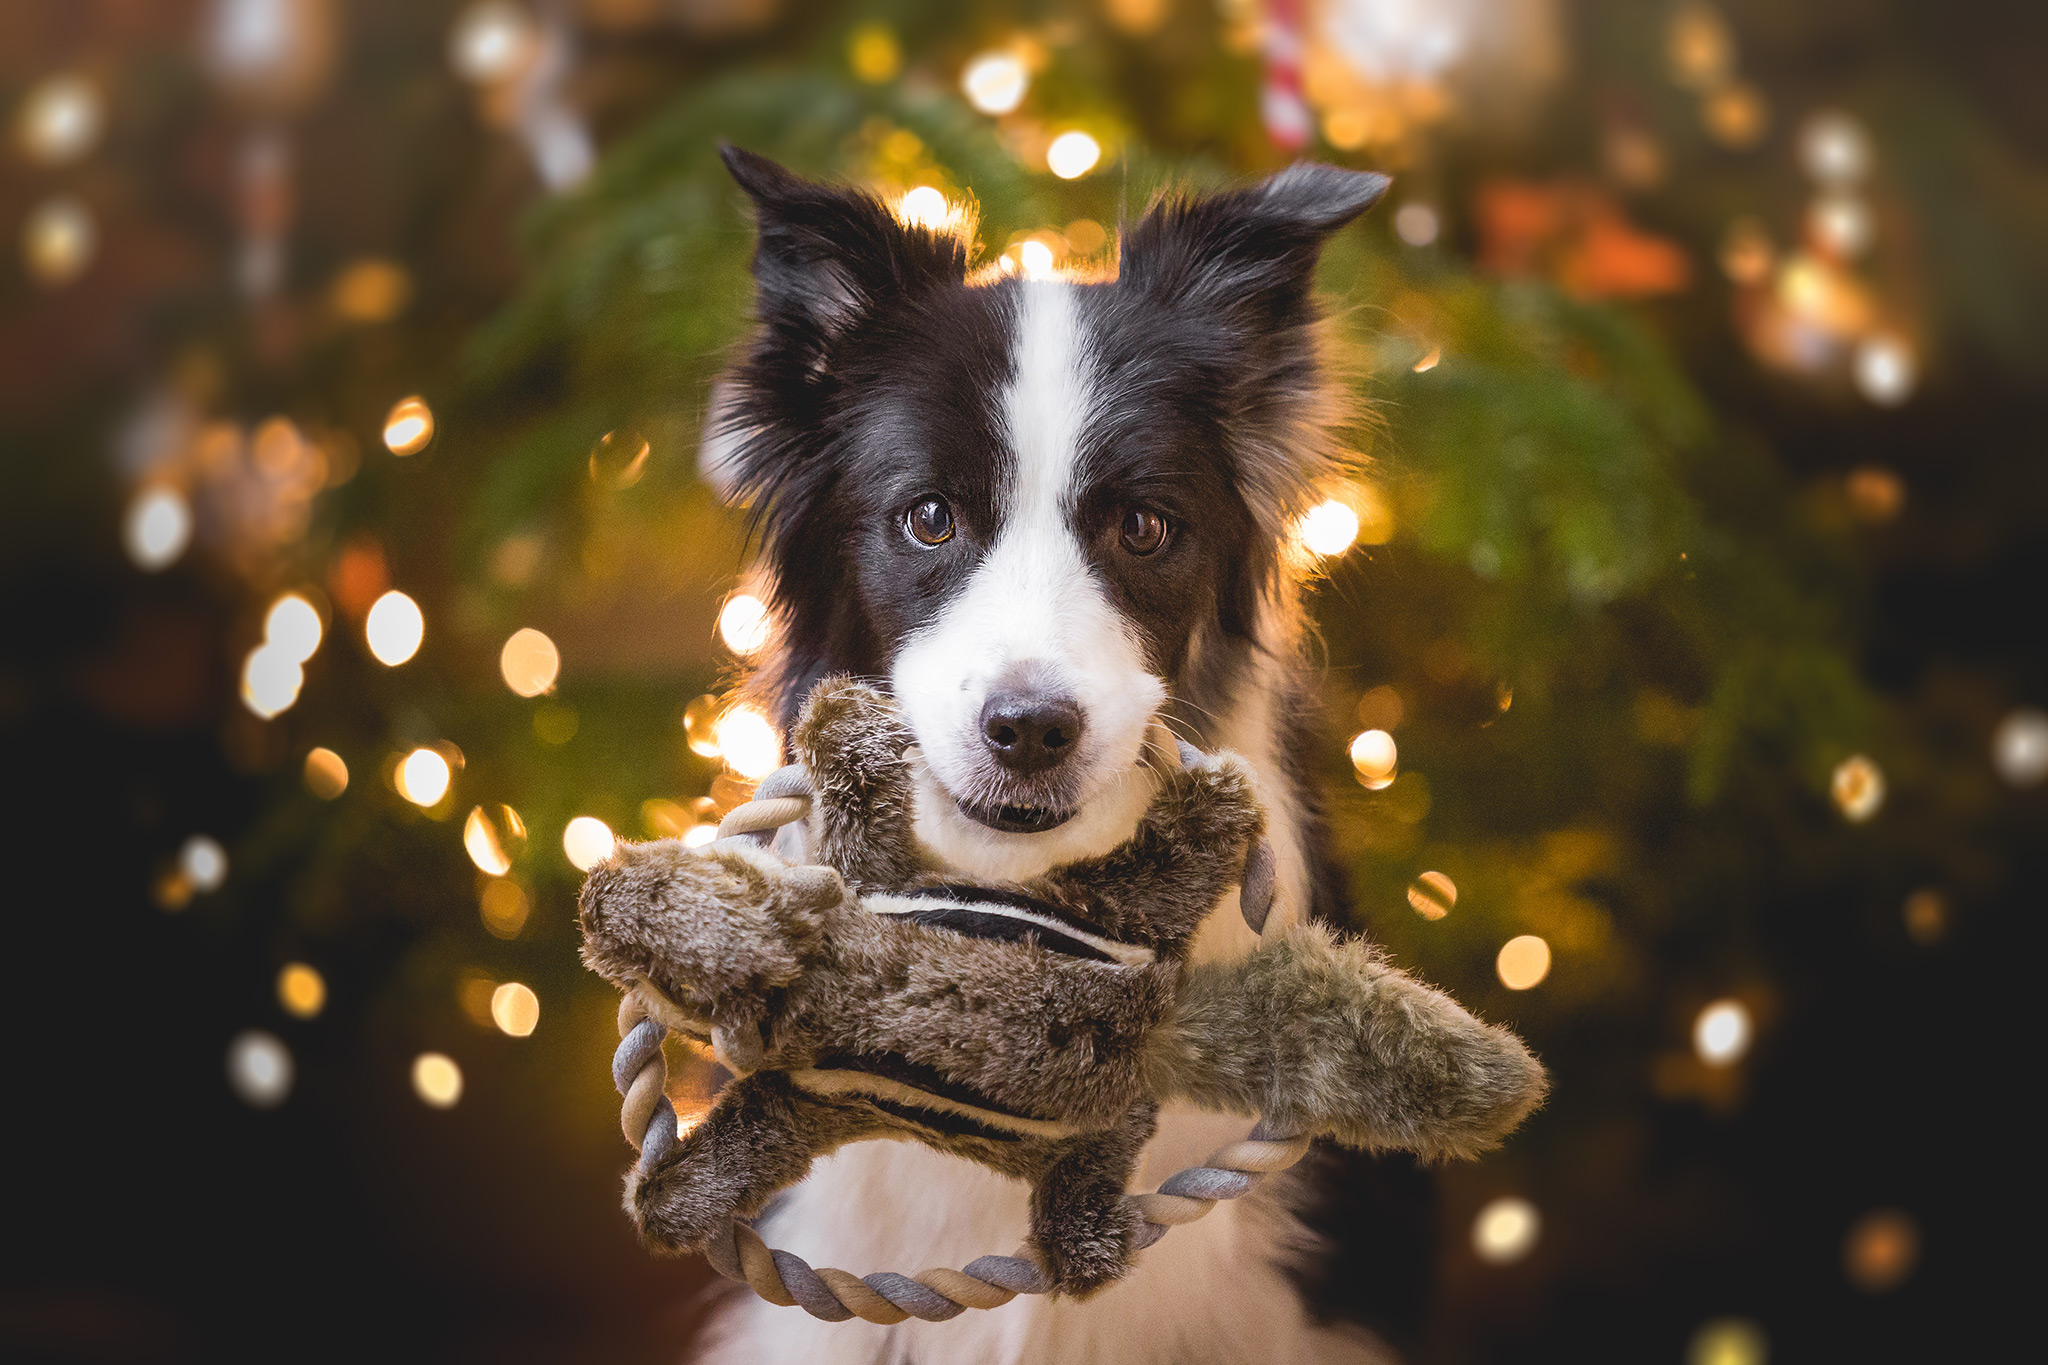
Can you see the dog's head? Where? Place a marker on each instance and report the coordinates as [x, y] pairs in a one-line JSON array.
[[1043, 510]]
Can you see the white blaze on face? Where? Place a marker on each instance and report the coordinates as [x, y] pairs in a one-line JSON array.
[[1032, 604]]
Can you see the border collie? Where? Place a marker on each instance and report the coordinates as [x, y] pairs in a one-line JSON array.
[[1049, 515]]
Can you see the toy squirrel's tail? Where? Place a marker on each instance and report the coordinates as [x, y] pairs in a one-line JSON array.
[[1323, 1036]]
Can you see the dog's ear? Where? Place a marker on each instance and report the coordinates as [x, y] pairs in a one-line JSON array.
[[827, 254], [1250, 251]]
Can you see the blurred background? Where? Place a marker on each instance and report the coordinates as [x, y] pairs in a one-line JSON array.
[[358, 584]]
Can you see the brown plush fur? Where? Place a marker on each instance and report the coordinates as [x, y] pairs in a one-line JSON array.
[[1039, 1063]]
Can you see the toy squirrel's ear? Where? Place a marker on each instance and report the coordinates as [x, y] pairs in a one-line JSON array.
[[1250, 251], [829, 254]]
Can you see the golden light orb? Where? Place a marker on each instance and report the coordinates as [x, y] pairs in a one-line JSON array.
[[1857, 788], [1736, 115], [1374, 757], [699, 835], [1884, 369], [504, 908], [1881, 1250], [515, 1009], [408, 426], [700, 725], [1072, 155], [588, 841], [394, 628], [1506, 1230], [293, 625], [995, 82], [1034, 259], [1523, 962], [301, 990], [873, 54], [1432, 895], [748, 743], [744, 624], [1699, 49], [423, 777], [1926, 914], [1834, 149], [61, 119], [493, 836], [2019, 747], [492, 42], [1721, 1034], [271, 679], [924, 207], [156, 528], [1329, 528], [529, 663], [326, 774], [618, 459], [1728, 1341], [371, 290], [58, 241], [436, 1079]]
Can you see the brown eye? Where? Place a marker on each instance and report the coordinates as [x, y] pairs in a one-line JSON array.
[[1143, 531], [930, 522]]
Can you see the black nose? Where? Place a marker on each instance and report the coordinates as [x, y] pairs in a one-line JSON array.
[[1029, 732]]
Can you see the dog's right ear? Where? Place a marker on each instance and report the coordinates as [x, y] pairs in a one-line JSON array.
[[828, 254]]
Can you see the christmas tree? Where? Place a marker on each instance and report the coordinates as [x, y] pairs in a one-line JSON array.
[[368, 572]]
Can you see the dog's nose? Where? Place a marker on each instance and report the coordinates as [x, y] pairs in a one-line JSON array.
[[1029, 732]]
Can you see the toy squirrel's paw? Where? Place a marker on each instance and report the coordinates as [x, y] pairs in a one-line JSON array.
[[717, 930], [852, 739], [1082, 1227], [1209, 801]]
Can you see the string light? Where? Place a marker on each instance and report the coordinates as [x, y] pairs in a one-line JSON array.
[[492, 42], [259, 1068], [515, 1009], [748, 743], [301, 990], [2019, 747], [700, 726], [1857, 788], [1926, 915], [61, 119], [326, 774], [1880, 1251], [1034, 259], [699, 835], [873, 54], [1728, 1341], [293, 625], [1327, 529], [1875, 494], [58, 241], [1072, 155], [1884, 369], [1374, 757], [423, 777], [371, 291], [504, 908], [1721, 1033], [394, 628], [744, 624], [1834, 149], [271, 679], [436, 1079], [995, 82], [493, 836], [588, 841], [1416, 224], [204, 863], [1523, 962], [156, 528], [619, 459], [924, 207], [1841, 225], [1506, 1230], [529, 663], [1432, 895], [409, 426]]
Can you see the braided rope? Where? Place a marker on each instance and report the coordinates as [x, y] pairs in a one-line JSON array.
[[737, 1252]]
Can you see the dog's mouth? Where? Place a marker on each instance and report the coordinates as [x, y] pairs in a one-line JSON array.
[[1015, 819]]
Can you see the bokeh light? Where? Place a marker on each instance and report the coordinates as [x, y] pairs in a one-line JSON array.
[[1728, 1341], [700, 725], [1857, 788], [260, 1068], [58, 241], [394, 628], [873, 54], [1841, 224], [203, 863], [1506, 1230], [1523, 962], [748, 743], [436, 1079], [1432, 895], [504, 906], [156, 528], [409, 426], [1884, 369], [1329, 528], [371, 290], [744, 624], [924, 207], [1881, 1250], [588, 841], [1721, 1033], [618, 459], [1416, 224], [1034, 259], [1374, 758], [492, 42], [423, 776], [1926, 915], [1072, 155], [61, 119], [529, 663], [995, 82], [293, 625], [271, 679], [696, 836], [515, 1009], [494, 837], [1834, 149], [301, 990], [2019, 747], [326, 774], [1875, 494]]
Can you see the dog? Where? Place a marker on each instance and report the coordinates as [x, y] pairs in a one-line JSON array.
[[1051, 516]]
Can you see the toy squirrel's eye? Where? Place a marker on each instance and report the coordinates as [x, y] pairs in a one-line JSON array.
[[930, 522], [1143, 531]]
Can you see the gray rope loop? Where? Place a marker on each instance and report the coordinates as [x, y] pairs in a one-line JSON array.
[[886, 1297]]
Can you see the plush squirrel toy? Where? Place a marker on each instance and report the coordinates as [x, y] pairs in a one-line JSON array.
[[1034, 1028]]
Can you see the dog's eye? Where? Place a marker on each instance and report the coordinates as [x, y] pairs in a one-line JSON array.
[[1143, 531], [930, 522]]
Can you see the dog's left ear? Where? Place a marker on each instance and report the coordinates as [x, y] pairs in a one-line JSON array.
[[1252, 249], [828, 254]]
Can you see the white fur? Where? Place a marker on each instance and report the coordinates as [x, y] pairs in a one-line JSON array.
[[1032, 602]]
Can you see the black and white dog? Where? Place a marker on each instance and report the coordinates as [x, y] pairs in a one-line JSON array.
[[1048, 515]]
